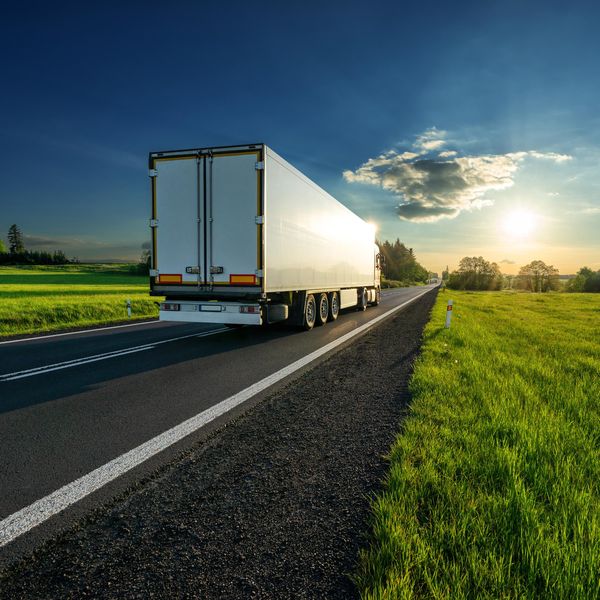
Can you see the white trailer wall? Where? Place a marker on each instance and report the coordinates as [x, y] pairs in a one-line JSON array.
[[311, 240]]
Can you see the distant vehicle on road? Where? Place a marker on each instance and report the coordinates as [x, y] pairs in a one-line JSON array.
[[241, 237]]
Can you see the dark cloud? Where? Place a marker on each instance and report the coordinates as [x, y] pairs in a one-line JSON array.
[[430, 189], [420, 212]]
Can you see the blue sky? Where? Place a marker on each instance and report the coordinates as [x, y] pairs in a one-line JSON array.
[[497, 101]]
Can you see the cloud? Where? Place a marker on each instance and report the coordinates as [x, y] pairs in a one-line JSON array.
[[434, 188], [71, 244], [592, 210], [505, 261], [431, 139], [558, 158], [60, 242], [33, 240]]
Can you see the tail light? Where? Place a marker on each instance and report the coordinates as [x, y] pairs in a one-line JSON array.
[[252, 310], [169, 306]]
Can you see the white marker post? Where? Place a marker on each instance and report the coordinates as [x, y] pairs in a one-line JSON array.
[[129, 308], [448, 314]]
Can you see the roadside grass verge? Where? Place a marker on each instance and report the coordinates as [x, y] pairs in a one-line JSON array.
[[49, 298], [493, 489]]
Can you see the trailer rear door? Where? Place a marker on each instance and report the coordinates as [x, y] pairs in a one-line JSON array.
[[206, 231], [178, 248], [233, 200]]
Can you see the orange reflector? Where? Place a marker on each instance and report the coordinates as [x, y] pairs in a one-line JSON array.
[[242, 279], [164, 278]]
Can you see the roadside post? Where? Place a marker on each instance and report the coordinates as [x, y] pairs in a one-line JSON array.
[[129, 308], [448, 314]]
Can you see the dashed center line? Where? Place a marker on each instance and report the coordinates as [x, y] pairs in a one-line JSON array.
[[67, 364]]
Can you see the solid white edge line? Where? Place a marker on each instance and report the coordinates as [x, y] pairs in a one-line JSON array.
[[36, 513], [52, 335]]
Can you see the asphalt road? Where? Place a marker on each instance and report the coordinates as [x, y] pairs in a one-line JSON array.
[[70, 404]]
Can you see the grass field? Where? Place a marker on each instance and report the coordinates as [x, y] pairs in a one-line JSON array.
[[40, 299], [493, 488]]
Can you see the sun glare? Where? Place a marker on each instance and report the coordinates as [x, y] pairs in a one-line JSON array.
[[519, 224]]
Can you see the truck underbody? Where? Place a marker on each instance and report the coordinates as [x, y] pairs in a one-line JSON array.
[[304, 308]]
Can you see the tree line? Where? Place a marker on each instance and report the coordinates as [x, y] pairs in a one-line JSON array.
[[16, 254], [400, 263], [476, 273], [586, 280]]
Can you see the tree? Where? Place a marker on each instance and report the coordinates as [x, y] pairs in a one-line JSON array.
[[585, 281], [15, 240], [2, 247], [445, 274], [537, 276], [143, 266], [401, 263], [59, 258], [475, 273]]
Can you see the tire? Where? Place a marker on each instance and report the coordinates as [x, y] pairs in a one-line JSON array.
[[363, 299], [377, 297], [310, 313], [322, 309], [334, 306]]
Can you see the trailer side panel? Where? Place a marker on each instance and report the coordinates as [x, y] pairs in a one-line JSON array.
[[311, 240]]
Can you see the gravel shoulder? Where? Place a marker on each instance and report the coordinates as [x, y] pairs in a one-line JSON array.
[[274, 505]]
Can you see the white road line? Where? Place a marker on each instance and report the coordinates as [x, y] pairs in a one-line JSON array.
[[96, 357], [29, 517], [49, 368], [91, 330]]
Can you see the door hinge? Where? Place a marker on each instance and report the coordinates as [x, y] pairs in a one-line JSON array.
[[259, 273], [153, 272], [259, 166], [153, 222], [152, 173], [260, 220]]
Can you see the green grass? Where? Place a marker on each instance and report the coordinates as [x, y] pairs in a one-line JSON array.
[[494, 481], [45, 298]]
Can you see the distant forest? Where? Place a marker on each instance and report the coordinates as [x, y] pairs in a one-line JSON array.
[[17, 254], [401, 263]]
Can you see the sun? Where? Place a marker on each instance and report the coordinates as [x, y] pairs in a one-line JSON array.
[[519, 224]]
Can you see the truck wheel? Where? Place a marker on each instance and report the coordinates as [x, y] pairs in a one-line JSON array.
[[334, 306], [310, 312], [363, 299], [377, 297], [322, 309]]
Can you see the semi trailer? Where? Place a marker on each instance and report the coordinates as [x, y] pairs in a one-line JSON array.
[[241, 237]]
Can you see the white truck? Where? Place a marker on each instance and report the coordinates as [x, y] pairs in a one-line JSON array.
[[241, 237]]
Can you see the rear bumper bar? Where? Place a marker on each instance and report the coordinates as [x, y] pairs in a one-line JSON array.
[[229, 313]]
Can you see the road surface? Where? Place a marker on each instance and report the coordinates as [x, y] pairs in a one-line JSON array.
[[71, 404]]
